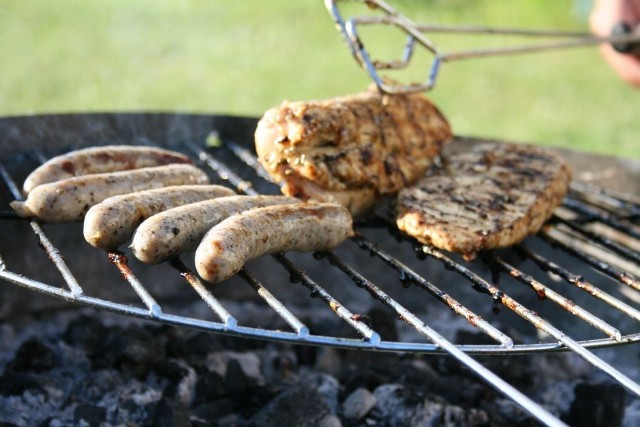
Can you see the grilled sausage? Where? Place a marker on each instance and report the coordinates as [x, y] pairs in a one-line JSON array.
[[178, 230], [68, 200], [299, 227], [111, 222], [111, 158]]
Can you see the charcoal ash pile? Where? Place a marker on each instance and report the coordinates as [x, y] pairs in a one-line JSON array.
[[94, 369]]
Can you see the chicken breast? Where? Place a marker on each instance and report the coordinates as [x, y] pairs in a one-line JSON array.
[[352, 149], [490, 197]]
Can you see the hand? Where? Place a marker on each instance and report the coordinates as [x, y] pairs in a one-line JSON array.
[[606, 14]]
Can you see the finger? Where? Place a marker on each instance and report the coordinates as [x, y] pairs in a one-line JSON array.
[[626, 66]]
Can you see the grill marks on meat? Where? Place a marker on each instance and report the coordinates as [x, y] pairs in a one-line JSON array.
[[491, 197], [350, 149]]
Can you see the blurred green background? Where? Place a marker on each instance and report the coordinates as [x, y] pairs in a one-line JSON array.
[[243, 57]]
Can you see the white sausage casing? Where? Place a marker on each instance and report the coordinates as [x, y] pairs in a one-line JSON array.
[[299, 227], [111, 222], [69, 199], [172, 232], [109, 158]]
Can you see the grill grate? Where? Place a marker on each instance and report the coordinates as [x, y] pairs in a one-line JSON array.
[[591, 218]]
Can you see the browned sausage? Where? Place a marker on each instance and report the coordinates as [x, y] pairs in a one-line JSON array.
[[110, 158], [111, 222], [299, 227], [168, 234], [69, 199]]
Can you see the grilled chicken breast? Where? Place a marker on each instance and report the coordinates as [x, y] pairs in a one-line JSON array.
[[490, 197], [350, 150]]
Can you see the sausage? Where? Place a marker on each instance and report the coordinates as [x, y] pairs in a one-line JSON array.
[[178, 230], [110, 158], [111, 222], [69, 199], [299, 227]]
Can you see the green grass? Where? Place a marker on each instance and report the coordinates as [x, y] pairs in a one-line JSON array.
[[242, 57]]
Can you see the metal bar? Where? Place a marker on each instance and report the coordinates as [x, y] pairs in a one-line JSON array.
[[612, 196], [544, 292], [597, 238], [204, 293], [347, 343], [484, 30], [249, 159], [301, 329], [607, 197], [317, 291], [52, 252], [121, 262], [602, 217], [348, 30], [579, 282], [223, 171], [485, 374], [9, 215], [619, 275], [454, 305], [535, 320], [410, 275]]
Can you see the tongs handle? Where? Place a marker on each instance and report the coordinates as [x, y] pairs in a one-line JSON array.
[[625, 39], [624, 29]]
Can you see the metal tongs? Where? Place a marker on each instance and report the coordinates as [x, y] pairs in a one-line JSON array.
[[622, 40]]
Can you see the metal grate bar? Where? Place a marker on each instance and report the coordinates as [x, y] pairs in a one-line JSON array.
[[492, 379], [300, 328], [410, 276], [619, 275], [605, 218], [578, 281], [246, 187], [534, 319], [52, 252], [211, 301], [250, 159], [614, 198], [121, 261], [317, 291], [608, 243], [544, 292], [223, 171], [9, 215]]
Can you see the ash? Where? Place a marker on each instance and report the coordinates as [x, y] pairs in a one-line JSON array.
[[89, 368]]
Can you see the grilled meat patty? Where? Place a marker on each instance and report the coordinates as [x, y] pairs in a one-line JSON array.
[[492, 196], [351, 149]]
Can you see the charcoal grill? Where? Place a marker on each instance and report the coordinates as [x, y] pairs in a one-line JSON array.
[[587, 252]]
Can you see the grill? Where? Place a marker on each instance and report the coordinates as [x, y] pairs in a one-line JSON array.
[[579, 271]]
